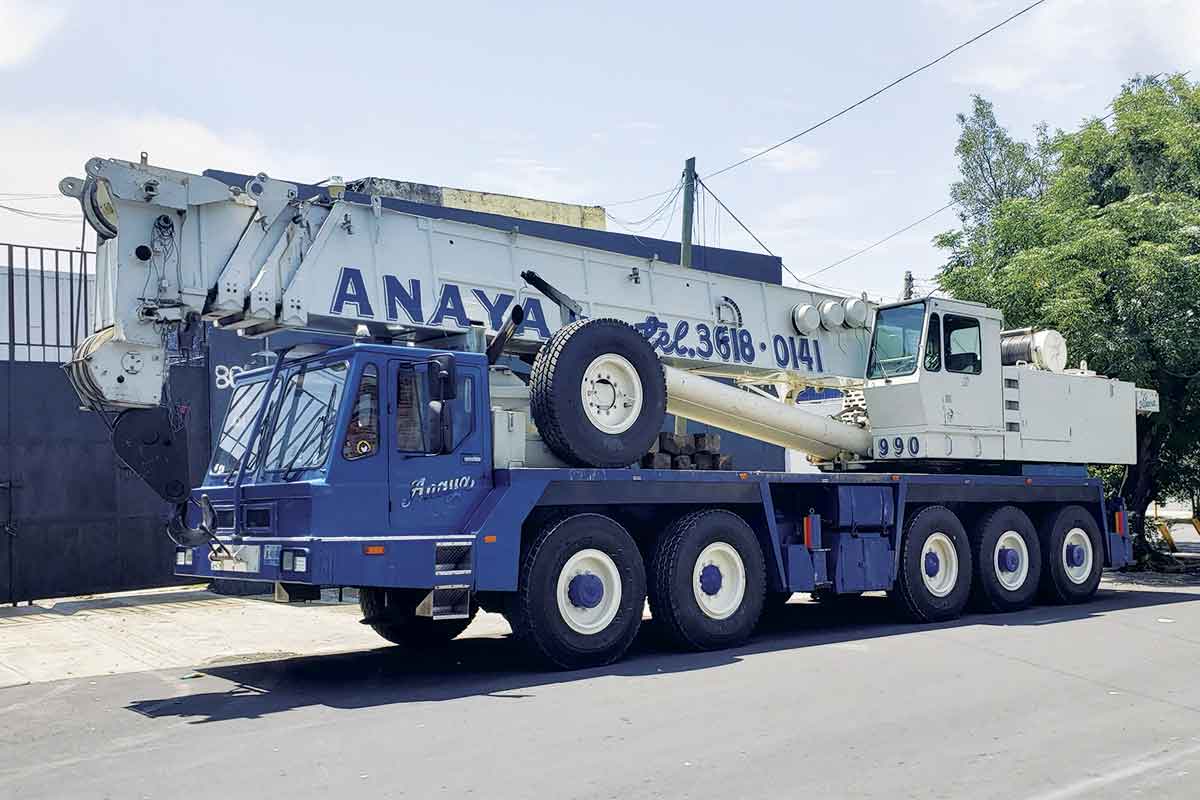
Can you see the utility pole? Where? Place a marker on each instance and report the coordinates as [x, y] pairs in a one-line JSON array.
[[689, 205], [685, 244], [908, 284]]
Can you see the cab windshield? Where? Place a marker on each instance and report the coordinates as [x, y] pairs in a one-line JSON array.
[[235, 433], [299, 424], [896, 341], [303, 418]]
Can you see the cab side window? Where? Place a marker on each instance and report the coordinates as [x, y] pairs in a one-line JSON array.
[[963, 348], [933, 344], [410, 406], [362, 434]]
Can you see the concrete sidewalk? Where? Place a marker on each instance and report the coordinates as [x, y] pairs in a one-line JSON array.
[[177, 627]]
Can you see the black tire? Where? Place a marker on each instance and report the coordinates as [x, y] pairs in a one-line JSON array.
[[391, 615], [1056, 528], [1005, 578], [557, 405], [911, 593], [674, 604], [535, 613]]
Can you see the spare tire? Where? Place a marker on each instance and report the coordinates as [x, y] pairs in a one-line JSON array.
[[598, 393]]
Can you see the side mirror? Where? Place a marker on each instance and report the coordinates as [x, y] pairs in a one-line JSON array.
[[439, 422], [443, 378]]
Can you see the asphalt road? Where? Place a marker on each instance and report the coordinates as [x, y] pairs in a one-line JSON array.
[[1056, 702]]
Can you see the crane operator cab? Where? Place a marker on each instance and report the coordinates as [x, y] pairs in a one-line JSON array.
[[945, 382], [933, 381]]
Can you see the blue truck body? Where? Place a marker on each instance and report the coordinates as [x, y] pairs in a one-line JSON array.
[[390, 517]]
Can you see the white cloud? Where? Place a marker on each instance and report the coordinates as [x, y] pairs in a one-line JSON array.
[[26, 25], [43, 147], [530, 177], [1032, 52], [964, 9], [789, 158], [799, 211], [641, 125]]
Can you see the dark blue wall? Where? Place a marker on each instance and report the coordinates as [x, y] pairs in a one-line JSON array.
[[82, 522]]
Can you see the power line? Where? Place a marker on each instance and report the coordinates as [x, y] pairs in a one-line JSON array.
[[46, 216], [855, 104], [753, 235], [736, 219], [671, 216], [887, 238], [743, 226], [653, 217], [880, 90], [1112, 105]]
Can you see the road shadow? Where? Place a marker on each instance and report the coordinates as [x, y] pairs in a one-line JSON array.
[[499, 667]]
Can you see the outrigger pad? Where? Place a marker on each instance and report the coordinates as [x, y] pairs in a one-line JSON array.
[[146, 441]]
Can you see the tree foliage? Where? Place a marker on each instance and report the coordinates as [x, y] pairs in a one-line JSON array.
[[1096, 232], [995, 167]]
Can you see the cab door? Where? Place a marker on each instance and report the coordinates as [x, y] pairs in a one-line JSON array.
[[435, 493], [967, 377]]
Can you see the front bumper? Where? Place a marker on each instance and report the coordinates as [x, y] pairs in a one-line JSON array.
[[385, 561]]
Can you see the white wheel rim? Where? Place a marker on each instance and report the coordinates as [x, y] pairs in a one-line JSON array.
[[589, 565], [612, 393], [939, 557], [1011, 579], [719, 580], [1077, 537]]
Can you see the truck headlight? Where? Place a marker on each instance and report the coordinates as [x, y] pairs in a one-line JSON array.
[[183, 557]]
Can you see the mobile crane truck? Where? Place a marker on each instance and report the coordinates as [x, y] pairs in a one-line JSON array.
[[392, 447]]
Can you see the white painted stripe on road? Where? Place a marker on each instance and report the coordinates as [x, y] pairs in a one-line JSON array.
[[1142, 765]]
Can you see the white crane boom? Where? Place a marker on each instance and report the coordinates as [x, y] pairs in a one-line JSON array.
[[261, 257]]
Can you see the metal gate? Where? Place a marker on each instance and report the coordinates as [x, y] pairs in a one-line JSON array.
[[75, 520]]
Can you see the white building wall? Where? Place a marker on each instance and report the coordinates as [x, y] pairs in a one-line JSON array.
[[46, 306]]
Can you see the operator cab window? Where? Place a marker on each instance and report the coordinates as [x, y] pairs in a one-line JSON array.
[[410, 407], [362, 434], [933, 344], [963, 349], [896, 343]]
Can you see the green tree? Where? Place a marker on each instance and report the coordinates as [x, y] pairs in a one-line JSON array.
[[996, 167], [1105, 247]]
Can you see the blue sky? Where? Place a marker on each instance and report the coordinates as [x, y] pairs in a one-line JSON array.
[[581, 102]]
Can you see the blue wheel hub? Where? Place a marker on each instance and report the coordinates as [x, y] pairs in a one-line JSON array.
[[933, 564], [710, 580], [1075, 555], [585, 591], [1008, 560]]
